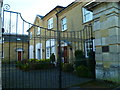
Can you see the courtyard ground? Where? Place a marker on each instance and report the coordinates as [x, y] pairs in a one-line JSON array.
[[15, 78]]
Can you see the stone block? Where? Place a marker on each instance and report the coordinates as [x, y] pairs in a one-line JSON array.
[[103, 25], [98, 50], [112, 21], [97, 34], [106, 56], [96, 25], [113, 48], [103, 41], [104, 33], [114, 31], [98, 57], [112, 39], [98, 42], [114, 57]]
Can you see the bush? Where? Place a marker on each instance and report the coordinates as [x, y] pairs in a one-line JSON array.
[[83, 71], [79, 58], [24, 67], [34, 64], [92, 63], [79, 54], [67, 67]]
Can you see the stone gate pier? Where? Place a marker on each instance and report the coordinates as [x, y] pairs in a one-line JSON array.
[[106, 26]]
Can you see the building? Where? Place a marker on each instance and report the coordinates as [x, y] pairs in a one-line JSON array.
[[15, 47], [69, 21], [105, 20]]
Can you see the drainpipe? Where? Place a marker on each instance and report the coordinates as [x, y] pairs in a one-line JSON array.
[[59, 51]]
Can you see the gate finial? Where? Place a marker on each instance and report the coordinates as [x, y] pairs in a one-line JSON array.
[[6, 7]]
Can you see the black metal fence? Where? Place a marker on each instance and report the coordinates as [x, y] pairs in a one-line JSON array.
[[37, 57]]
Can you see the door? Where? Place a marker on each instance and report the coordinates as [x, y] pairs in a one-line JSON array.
[[65, 54], [19, 55]]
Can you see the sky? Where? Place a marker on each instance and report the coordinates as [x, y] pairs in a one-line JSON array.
[[30, 8]]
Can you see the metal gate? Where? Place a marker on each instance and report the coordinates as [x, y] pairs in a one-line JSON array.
[[37, 57]]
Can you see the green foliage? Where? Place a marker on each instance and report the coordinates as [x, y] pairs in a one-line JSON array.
[[34, 64], [79, 54], [33, 60], [91, 62], [67, 67], [52, 57], [83, 71], [79, 58]]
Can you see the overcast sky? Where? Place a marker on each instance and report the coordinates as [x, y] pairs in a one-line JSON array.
[[30, 8]]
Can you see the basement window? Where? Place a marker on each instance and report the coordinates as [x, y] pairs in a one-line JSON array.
[[105, 48]]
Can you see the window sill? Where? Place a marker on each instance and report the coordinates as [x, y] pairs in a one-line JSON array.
[[64, 30], [87, 22]]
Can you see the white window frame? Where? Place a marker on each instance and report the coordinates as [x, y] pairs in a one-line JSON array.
[[50, 23], [87, 15], [64, 24], [47, 52], [38, 31], [30, 35], [87, 48]]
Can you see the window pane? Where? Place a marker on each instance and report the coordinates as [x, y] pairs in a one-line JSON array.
[[64, 24], [87, 15], [38, 30], [50, 23]]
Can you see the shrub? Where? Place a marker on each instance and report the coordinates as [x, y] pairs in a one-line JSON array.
[[25, 67], [91, 62], [83, 71], [67, 67], [79, 54], [33, 60], [34, 64], [79, 58]]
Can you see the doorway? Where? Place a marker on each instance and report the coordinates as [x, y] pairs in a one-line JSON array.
[[19, 55]]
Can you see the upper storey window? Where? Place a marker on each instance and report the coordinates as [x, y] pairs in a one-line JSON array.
[[87, 15], [64, 24], [50, 23]]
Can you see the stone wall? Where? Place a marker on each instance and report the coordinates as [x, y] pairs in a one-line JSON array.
[[107, 40]]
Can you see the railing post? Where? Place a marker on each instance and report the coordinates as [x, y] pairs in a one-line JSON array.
[[1, 1], [59, 53]]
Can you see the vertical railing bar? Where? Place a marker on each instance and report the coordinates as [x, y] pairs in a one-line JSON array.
[[59, 53], [68, 48], [23, 36], [16, 40], [9, 47], [50, 42], [81, 32], [45, 42], [75, 39], [87, 41], [84, 38], [34, 49], [45, 53], [3, 84], [29, 50], [78, 40], [28, 42]]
